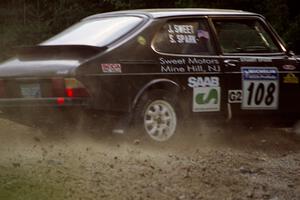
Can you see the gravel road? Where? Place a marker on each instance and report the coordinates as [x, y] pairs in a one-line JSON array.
[[205, 162]]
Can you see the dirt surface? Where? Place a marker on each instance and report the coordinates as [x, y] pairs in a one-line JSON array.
[[208, 162]]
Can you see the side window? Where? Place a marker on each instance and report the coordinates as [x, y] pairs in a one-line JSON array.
[[190, 37], [244, 36]]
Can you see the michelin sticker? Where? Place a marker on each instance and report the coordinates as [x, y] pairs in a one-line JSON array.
[[206, 93], [260, 88]]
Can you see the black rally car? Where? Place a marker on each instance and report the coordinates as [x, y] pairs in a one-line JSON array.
[[158, 64]]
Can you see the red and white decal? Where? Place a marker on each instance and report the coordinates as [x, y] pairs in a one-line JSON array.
[[289, 67], [111, 68]]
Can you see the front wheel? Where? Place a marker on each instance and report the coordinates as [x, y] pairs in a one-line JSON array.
[[158, 117]]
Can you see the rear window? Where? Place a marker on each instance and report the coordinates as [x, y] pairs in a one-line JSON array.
[[244, 36], [95, 32], [190, 37]]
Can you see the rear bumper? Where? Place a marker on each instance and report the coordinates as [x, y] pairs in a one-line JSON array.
[[44, 102]]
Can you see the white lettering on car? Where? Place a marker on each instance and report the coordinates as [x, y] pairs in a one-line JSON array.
[[200, 61], [164, 61], [188, 39], [172, 69], [189, 65], [203, 81], [182, 34], [184, 29]]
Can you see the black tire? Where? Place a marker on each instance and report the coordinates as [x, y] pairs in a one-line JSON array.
[[156, 116]]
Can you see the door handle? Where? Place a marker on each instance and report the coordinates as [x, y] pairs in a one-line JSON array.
[[231, 63]]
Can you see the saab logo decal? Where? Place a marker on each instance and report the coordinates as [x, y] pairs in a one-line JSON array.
[[206, 99], [111, 68], [291, 78], [194, 82]]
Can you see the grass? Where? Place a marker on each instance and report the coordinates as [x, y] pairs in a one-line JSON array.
[[17, 184]]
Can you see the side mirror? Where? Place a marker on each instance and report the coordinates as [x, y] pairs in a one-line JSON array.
[[290, 53], [288, 50]]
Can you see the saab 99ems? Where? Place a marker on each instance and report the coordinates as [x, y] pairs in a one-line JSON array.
[[158, 66]]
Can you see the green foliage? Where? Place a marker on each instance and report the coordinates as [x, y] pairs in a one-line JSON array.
[[186, 4], [18, 185], [28, 22], [291, 36]]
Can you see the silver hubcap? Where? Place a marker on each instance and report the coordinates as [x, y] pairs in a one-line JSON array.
[[160, 120]]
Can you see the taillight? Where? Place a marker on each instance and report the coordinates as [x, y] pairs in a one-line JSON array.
[[60, 100], [2, 89], [73, 88]]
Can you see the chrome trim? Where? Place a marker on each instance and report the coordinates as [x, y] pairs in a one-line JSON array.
[[151, 74], [231, 63], [267, 25]]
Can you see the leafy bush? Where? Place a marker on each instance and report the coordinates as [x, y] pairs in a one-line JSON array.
[[24, 22]]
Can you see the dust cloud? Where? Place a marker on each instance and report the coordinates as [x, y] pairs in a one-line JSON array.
[[47, 157]]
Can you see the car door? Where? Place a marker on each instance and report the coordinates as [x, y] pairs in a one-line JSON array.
[[187, 55], [261, 78]]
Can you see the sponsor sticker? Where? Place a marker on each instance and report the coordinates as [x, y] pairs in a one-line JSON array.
[[235, 96], [111, 68], [206, 99], [291, 78], [205, 81], [260, 88], [260, 73], [141, 40], [202, 34], [206, 93], [256, 59], [289, 67]]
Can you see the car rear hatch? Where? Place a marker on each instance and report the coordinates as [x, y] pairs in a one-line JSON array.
[[45, 75]]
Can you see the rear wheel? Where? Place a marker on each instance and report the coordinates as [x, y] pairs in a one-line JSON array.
[[156, 116], [160, 120]]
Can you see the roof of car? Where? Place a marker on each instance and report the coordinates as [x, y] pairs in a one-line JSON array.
[[160, 13]]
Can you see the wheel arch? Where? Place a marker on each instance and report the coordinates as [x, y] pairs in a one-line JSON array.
[[161, 84]]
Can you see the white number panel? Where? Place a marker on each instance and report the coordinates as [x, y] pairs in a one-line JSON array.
[[260, 88], [235, 96]]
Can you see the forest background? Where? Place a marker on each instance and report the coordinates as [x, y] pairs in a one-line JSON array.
[[28, 22]]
